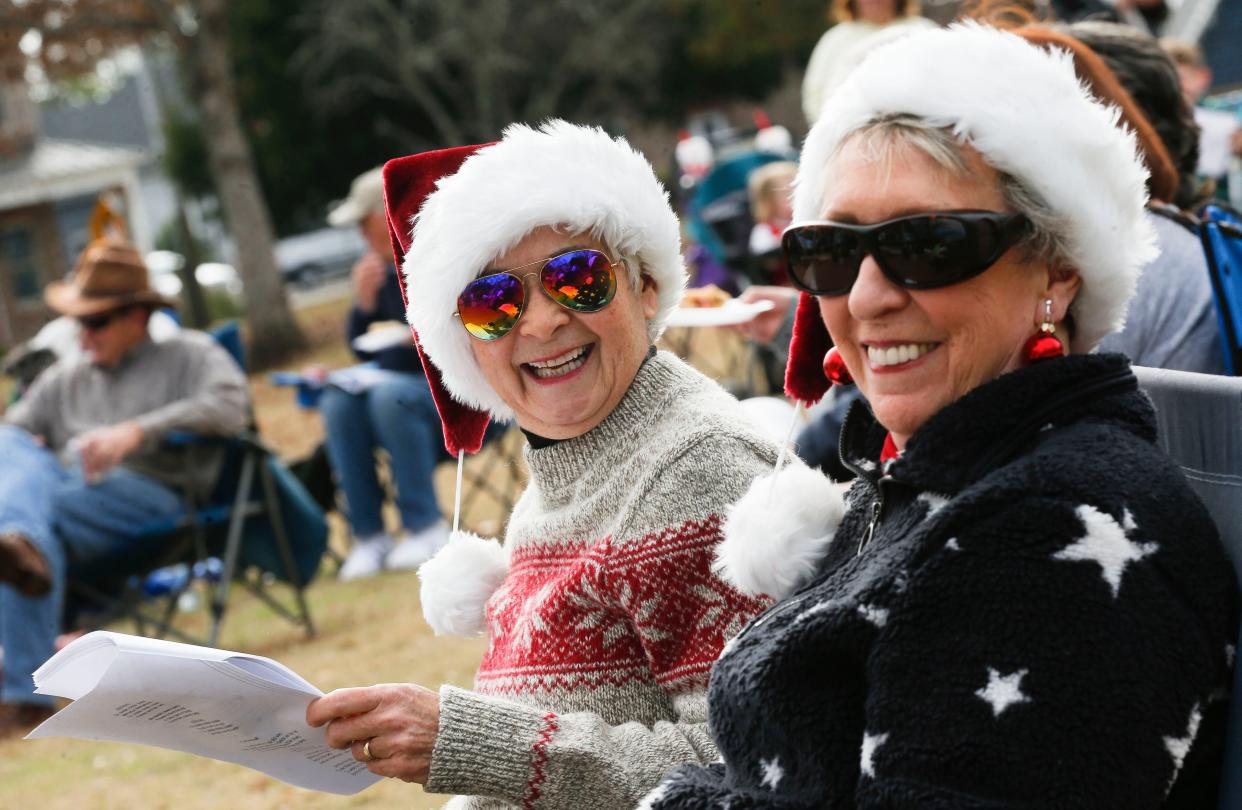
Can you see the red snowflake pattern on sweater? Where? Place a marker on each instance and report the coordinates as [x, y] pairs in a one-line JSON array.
[[591, 613]]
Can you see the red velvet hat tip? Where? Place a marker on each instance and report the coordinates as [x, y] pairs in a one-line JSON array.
[[407, 183], [804, 373]]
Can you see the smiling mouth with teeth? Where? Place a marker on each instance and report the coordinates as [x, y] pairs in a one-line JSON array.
[[898, 355], [566, 363]]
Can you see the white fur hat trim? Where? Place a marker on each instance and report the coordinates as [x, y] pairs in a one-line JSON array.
[[573, 177], [1024, 110], [458, 581], [775, 536]]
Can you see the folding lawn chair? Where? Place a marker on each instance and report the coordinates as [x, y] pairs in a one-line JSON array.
[[1200, 424]]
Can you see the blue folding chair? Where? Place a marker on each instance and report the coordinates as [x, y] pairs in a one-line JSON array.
[[1200, 422], [259, 522]]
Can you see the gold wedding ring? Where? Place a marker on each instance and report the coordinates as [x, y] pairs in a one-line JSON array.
[[366, 751]]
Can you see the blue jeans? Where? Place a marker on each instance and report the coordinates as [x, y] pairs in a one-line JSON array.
[[400, 416], [69, 522]]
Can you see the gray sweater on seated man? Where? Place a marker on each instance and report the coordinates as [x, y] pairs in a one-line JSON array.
[[186, 382]]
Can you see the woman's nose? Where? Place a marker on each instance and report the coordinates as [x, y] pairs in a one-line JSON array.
[[873, 294], [543, 316]]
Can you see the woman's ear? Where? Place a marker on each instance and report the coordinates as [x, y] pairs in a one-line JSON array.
[[649, 295], [1063, 285]]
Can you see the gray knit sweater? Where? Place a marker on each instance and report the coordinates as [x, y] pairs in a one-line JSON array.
[[603, 633]]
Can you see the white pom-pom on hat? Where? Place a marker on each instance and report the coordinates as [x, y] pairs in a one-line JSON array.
[[458, 581], [775, 536]]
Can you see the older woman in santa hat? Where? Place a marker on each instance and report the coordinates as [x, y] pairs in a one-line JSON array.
[[1024, 604], [540, 271]]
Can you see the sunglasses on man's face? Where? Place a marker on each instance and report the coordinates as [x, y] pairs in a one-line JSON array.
[[579, 280], [93, 323], [920, 252]]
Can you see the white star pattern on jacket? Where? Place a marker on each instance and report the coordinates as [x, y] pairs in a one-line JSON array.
[[870, 744], [1179, 747], [876, 615], [1003, 691], [817, 608], [772, 772], [653, 798], [1105, 544], [934, 503]]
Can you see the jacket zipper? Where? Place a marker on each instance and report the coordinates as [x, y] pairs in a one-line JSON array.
[[877, 506]]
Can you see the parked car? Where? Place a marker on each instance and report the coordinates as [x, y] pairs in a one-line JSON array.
[[311, 258], [165, 266]]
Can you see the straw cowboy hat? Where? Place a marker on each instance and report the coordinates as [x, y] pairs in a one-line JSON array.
[[110, 274]]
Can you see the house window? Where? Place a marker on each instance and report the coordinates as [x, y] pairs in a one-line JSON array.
[[17, 254]]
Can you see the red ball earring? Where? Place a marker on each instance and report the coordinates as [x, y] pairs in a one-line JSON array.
[[835, 370], [1044, 344]]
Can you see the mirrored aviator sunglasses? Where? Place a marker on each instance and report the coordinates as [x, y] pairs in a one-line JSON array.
[[920, 252], [579, 280]]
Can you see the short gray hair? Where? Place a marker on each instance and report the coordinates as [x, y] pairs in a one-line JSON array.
[[881, 138]]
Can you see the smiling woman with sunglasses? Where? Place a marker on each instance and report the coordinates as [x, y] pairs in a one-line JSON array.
[[1024, 604], [540, 272]]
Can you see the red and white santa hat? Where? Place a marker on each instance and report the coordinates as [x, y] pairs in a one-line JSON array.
[[1026, 112], [453, 212]]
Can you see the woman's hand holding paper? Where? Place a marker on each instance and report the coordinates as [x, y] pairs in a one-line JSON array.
[[398, 721]]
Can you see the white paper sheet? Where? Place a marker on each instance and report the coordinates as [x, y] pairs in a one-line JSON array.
[[244, 709], [385, 337], [356, 379]]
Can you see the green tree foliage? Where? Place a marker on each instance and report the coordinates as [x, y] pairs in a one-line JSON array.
[[731, 49], [344, 84], [307, 154], [462, 71]]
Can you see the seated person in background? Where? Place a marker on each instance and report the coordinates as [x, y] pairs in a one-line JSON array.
[[770, 188], [1220, 131], [1171, 322], [83, 461], [1024, 604], [396, 414]]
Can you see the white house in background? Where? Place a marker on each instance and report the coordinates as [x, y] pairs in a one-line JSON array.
[[45, 186], [55, 161]]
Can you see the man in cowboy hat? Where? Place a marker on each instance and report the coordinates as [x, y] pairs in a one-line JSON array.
[[84, 463]]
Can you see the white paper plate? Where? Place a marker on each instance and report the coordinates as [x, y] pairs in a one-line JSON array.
[[731, 312], [386, 338]]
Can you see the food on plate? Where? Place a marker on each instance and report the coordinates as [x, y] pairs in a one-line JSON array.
[[704, 297]]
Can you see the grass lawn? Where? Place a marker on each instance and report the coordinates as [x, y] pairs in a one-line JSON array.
[[369, 632]]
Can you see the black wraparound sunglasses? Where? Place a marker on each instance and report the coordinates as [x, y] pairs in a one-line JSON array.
[[919, 252]]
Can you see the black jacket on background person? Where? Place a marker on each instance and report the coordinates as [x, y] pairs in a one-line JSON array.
[[1031, 609], [389, 306]]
